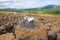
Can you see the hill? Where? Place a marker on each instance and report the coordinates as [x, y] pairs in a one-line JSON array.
[[49, 9]]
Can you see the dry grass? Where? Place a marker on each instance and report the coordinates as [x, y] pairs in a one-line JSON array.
[[30, 34]]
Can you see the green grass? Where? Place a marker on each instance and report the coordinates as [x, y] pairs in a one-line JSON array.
[[55, 11]]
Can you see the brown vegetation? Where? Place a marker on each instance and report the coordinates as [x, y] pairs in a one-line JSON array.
[[47, 28]]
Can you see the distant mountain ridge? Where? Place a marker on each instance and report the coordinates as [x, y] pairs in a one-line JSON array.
[[51, 7], [46, 7], [39, 8]]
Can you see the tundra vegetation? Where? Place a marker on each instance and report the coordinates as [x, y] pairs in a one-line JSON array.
[[15, 27]]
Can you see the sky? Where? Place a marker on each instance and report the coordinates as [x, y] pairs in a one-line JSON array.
[[20, 4]]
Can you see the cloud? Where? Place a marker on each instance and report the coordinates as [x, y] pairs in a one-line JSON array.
[[26, 3]]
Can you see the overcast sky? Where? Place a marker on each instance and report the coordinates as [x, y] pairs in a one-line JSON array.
[[27, 3]]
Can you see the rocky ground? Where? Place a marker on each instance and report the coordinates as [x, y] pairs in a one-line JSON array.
[[46, 28]]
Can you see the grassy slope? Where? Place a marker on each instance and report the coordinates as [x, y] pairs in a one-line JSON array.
[[55, 11]]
